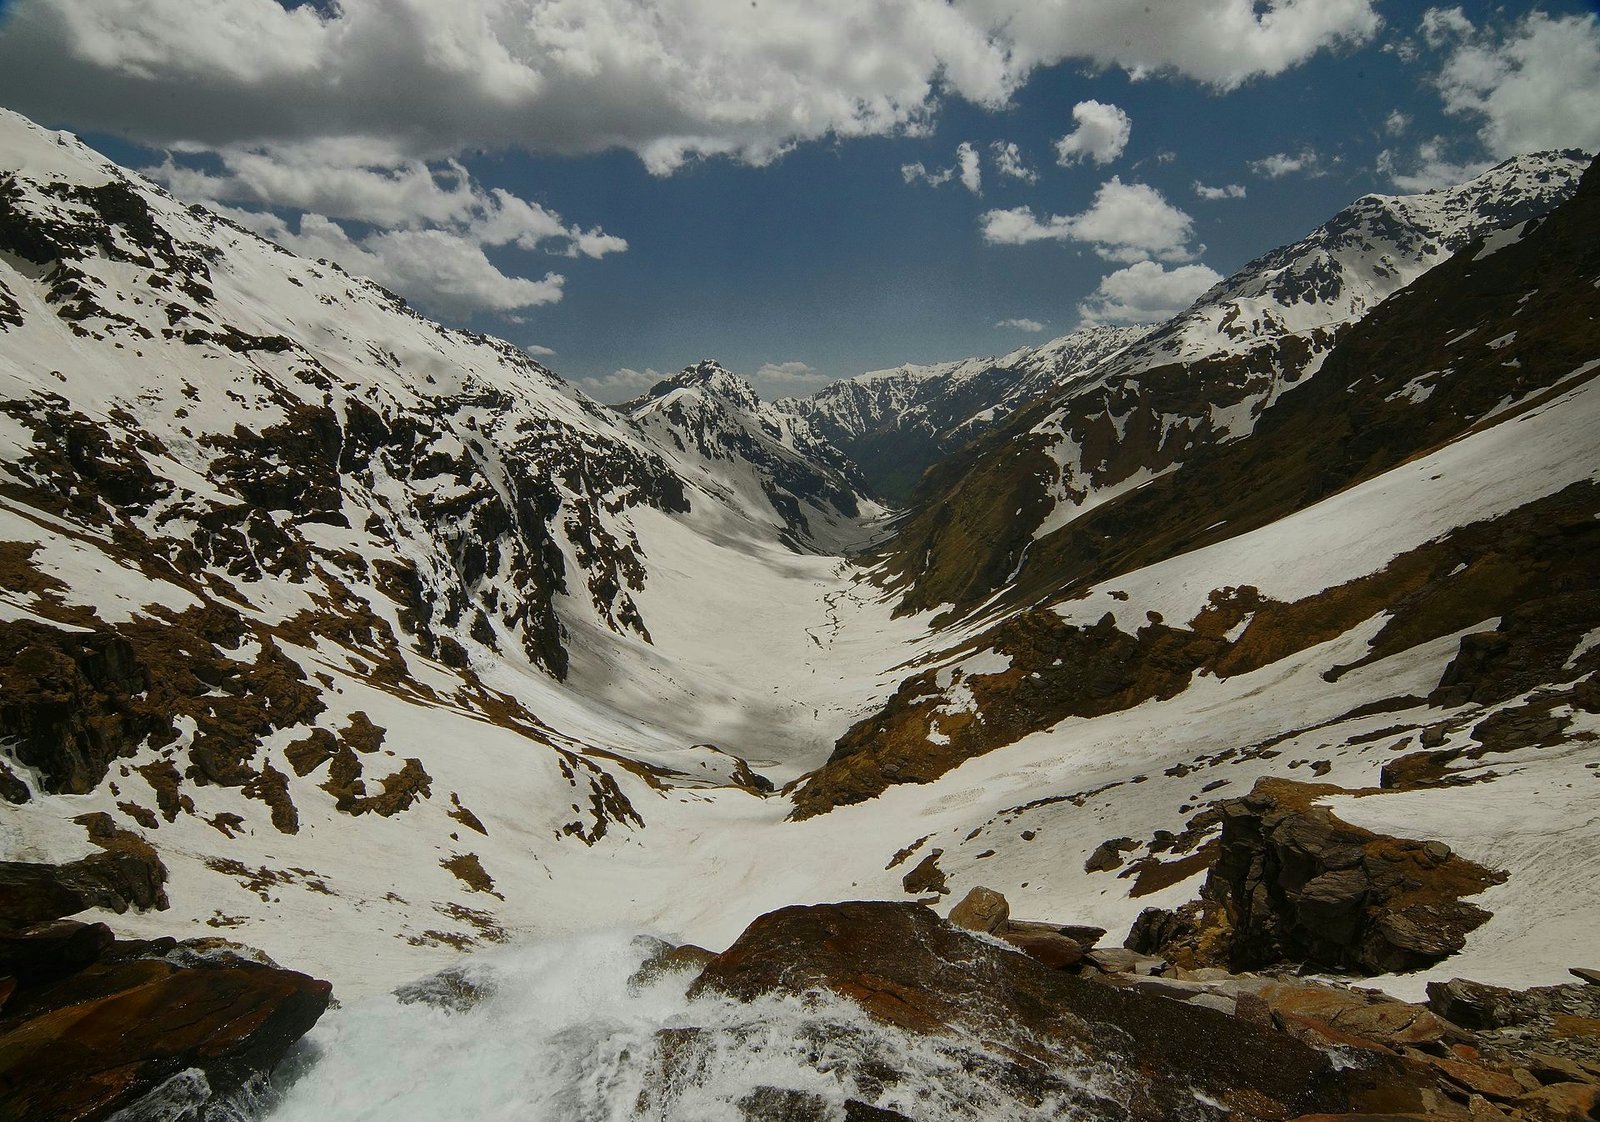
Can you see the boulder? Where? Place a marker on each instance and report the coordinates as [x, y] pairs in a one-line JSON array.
[[51, 950], [908, 968], [982, 909], [1051, 948], [33, 893], [1474, 1005], [99, 1040]]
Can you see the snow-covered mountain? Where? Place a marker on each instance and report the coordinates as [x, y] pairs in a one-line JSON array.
[[896, 423], [757, 456], [1200, 380], [390, 645]]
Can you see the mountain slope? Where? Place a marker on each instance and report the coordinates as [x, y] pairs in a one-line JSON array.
[[756, 456], [897, 423], [1200, 380], [1483, 369]]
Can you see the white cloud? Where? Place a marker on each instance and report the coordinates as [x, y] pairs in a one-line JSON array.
[[1031, 325], [620, 385], [1126, 222], [1279, 164], [971, 171], [1146, 292], [668, 81], [1445, 25], [1102, 133], [966, 169], [911, 173], [443, 271], [537, 351], [415, 209], [1009, 162], [1429, 167], [1530, 86], [1227, 191], [1396, 123], [779, 378]]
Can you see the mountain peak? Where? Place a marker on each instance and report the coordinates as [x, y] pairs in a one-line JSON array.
[[707, 376]]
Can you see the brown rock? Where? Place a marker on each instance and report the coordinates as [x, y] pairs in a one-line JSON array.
[[1562, 1102], [1489, 1084], [99, 1040], [1054, 950], [909, 968], [982, 909], [927, 876], [51, 950]]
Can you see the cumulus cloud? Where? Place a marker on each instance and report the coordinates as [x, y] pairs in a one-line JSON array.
[[1441, 26], [1146, 292], [1126, 222], [913, 173], [1102, 133], [1008, 162], [408, 211], [620, 385], [670, 82], [1428, 167], [1031, 325], [333, 181], [779, 378], [1396, 123], [966, 170], [971, 170], [1227, 191], [443, 271], [537, 351], [1304, 162], [1531, 85]]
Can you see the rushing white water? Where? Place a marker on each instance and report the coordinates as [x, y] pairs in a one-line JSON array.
[[560, 1035]]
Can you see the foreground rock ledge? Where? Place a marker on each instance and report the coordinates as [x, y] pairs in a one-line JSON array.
[[1166, 1059], [90, 1026]]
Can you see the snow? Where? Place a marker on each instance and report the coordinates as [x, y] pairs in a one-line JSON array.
[[757, 655]]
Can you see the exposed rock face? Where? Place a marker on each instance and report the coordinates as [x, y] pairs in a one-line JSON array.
[[101, 1036], [91, 1026], [1294, 884], [912, 970], [127, 875]]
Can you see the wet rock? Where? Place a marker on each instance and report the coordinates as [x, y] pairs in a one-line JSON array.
[[982, 909], [455, 989], [1584, 974], [1054, 950], [51, 950], [668, 958], [921, 974], [109, 1036]]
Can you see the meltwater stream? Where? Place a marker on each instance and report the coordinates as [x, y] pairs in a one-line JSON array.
[[555, 1032]]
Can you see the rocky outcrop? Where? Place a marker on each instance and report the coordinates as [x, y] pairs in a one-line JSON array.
[[128, 874], [1294, 884], [92, 1026], [96, 1026], [1159, 1058]]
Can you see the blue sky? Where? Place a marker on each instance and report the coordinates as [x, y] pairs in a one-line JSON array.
[[635, 193]]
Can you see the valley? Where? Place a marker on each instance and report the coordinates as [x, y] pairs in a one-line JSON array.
[[386, 646]]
